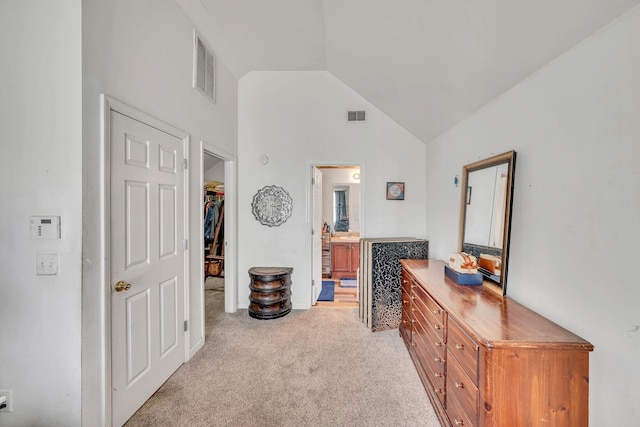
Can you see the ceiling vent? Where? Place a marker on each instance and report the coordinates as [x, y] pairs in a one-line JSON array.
[[357, 116], [204, 62]]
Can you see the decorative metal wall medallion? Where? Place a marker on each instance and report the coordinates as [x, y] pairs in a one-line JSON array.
[[272, 205]]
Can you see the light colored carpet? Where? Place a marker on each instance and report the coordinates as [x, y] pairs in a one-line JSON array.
[[318, 367]]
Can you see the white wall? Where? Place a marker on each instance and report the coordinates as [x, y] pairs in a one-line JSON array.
[[141, 53], [575, 225], [214, 173], [298, 119], [40, 171]]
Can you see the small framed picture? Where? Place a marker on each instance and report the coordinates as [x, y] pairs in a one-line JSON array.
[[395, 190]]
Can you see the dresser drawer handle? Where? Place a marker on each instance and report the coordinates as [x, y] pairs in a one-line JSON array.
[[438, 375], [438, 359], [459, 422], [438, 344], [412, 297], [404, 281], [459, 346], [437, 390], [437, 311], [437, 327], [459, 385]]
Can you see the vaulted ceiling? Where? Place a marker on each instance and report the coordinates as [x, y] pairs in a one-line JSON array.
[[427, 64]]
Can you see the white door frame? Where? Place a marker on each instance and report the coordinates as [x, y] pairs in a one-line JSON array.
[[109, 104], [230, 226], [316, 236]]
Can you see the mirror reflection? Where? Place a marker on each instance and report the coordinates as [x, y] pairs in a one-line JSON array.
[[485, 216], [486, 190], [341, 208]]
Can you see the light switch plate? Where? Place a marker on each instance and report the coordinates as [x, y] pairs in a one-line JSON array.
[[46, 264]]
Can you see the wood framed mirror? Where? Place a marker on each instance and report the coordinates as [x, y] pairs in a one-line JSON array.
[[485, 216]]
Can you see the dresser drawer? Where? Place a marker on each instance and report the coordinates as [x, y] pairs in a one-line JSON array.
[[428, 302], [406, 281], [423, 303], [462, 394], [435, 327], [431, 361], [457, 416], [433, 333], [406, 301], [405, 325], [464, 349], [422, 339]]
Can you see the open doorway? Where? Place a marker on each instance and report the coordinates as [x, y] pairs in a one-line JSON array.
[[218, 173], [213, 216], [336, 251]]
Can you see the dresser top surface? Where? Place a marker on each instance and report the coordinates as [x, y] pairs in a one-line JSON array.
[[491, 319]]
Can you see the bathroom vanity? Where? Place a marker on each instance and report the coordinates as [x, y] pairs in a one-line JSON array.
[[345, 256]]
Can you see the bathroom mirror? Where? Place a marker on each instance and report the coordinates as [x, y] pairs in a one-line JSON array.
[[485, 216]]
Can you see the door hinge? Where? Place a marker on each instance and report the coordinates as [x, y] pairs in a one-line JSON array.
[[185, 244], [186, 325], [185, 164]]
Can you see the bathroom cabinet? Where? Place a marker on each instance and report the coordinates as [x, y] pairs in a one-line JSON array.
[[345, 258]]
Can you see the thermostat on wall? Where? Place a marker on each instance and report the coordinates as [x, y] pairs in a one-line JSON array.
[[45, 227]]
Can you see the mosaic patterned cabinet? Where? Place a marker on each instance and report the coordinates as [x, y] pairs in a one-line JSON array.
[[379, 284]]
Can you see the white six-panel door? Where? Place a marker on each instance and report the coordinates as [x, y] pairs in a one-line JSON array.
[[147, 231]]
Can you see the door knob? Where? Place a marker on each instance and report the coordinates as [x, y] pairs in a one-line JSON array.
[[122, 286]]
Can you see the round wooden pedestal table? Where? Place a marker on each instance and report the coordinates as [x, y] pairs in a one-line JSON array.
[[270, 295]]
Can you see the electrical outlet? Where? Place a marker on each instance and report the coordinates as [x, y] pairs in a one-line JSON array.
[[9, 401]]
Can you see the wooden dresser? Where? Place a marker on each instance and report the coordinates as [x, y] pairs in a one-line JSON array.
[[488, 361]]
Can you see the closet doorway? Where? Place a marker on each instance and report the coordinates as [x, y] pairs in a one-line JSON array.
[[218, 238], [213, 216], [338, 215]]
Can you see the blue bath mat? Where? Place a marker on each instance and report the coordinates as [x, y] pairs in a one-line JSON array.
[[326, 294]]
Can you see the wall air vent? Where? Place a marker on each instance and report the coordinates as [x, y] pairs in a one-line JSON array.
[[357, 116], [204, 62]]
